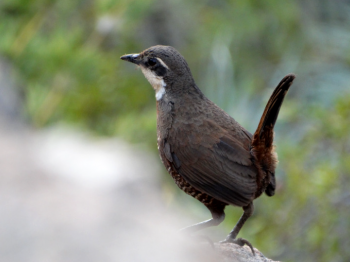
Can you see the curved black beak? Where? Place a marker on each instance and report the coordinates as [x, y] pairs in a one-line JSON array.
[[132, 58]]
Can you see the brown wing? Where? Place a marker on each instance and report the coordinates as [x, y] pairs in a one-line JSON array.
[[215, 163]]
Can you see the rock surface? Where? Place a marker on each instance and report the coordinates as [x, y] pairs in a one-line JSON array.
[[232, 253]]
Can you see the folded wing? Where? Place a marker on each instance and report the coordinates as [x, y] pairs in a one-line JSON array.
[[217, 164]]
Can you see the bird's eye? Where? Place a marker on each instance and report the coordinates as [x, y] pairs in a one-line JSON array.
[[152, 61]]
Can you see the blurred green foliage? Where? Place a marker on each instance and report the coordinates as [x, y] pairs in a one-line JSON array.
[[66, 54]]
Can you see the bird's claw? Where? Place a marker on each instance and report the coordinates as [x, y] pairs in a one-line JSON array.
[[199, 237], [207, 239], [239, 241]]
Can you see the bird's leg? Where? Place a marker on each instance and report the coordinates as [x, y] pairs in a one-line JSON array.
[[216, 220], [248, 211], [231, 238]]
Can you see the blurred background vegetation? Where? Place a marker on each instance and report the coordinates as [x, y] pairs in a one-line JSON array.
[[66, 58]]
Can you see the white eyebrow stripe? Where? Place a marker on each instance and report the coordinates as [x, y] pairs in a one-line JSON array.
[[162, 63]]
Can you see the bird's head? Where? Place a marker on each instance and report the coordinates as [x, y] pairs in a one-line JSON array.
[[164, 67]]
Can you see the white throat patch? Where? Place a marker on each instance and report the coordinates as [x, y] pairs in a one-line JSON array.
[[160, 93], [157, 82]]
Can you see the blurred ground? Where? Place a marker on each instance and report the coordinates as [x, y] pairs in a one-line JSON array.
[[69, 197]]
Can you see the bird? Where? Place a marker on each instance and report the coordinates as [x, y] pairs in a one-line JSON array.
[[210, 156]]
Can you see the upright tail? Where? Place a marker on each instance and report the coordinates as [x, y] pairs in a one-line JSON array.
[[262, 144], [269, 117]]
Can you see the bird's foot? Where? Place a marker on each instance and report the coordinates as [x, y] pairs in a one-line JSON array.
[[204, 239], [239, 241], [196, 237]]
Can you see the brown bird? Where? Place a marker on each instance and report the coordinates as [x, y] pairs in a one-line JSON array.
[[209, 155]]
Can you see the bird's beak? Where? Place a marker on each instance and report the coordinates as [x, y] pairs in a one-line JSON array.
[[131, 58]]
